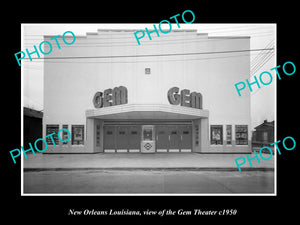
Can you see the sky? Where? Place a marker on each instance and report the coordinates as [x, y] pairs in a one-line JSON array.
[[262, 36]]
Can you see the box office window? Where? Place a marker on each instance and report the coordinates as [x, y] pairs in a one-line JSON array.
[[241, 134], [50, 128], [77, 134], [228, 134], [147, 134], [216, 134]]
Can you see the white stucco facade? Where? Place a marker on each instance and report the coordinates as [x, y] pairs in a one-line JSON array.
[[183, 58]]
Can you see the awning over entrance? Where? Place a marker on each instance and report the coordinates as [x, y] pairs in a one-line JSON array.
[[141, 112]]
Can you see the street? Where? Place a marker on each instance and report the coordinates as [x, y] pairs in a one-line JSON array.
[[148, 182]]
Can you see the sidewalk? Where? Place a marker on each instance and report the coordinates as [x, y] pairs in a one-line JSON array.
[[174, 161]]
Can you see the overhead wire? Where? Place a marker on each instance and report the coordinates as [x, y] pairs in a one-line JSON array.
[[152, 55], [154, 42], [265, 59], [38, 64], [260, 60], [257, 66], [102, 36], [200, 30], [262, 64], [259, 55]]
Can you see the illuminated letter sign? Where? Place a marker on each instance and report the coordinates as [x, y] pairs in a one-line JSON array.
[[185, 98], [98, 100], [110, 97], [173, 96]]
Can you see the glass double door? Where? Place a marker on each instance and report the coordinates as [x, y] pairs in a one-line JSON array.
[[122, 137], [167, 138], [174, 137]]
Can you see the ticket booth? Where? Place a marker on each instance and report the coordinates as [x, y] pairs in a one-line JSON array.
[[148, 140]]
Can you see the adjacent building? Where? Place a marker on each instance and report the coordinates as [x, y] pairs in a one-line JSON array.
[[263, 135], [32, 126]]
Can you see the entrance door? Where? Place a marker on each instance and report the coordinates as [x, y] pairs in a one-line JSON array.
[[162, 138], [147, 138], [122, 137], [175, 138], [134, 138], [109, 138], [186, 138]]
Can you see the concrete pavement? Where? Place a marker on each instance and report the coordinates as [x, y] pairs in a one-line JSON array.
[[148, 182], [187, 161]]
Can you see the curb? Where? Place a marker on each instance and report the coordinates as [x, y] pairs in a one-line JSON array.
[[225, 169]]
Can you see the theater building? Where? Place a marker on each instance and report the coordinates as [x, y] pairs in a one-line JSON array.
[[172, 94]]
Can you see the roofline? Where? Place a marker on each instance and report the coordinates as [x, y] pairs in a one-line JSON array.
[[134, 30], [264, 124], [131, 30]]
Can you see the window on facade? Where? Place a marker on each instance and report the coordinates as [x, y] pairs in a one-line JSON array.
[[49, 130], [147, 71], [228, 134], [265, 136], [216, 134], [241, 134], [77, 134]]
